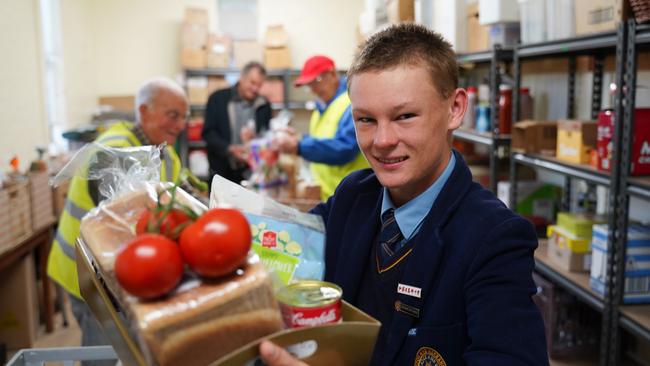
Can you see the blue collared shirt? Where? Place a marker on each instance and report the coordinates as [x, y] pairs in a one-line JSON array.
[[338, 150], [410, 215]]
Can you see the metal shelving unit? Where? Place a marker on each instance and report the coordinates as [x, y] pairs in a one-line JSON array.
[[576, 283], [499, 144], [624, 43]]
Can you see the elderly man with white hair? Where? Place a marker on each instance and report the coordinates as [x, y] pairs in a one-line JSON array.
[[161, 113]]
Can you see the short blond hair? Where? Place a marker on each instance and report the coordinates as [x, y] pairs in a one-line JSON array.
[[409, 44]]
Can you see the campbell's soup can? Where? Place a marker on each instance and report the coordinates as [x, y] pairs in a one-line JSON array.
[[310, 303]]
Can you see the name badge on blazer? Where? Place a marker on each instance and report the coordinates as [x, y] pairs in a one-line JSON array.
[[409, 290], [407, 309]]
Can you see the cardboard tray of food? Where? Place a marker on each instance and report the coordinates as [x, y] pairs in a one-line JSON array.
[[347, 343], [201, 330]]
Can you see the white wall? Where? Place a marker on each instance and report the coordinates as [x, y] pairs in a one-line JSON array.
[[315, 26], [23, 123], [111, 47]]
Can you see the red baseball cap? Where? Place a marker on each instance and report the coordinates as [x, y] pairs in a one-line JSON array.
[[313, 67]]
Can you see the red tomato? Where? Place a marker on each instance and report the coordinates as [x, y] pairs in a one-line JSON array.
[[217, 243], [149, 266], [171, 226]]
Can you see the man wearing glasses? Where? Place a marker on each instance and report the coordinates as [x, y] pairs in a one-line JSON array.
[[161, 112], [331, 146]]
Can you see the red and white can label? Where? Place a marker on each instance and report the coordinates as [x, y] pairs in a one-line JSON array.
[[297, 317]]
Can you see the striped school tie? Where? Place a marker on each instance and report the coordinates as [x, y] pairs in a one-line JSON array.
[[389, 236]]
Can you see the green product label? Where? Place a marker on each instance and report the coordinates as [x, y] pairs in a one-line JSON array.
[[284, 265]]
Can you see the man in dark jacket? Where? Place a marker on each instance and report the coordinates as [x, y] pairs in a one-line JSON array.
[[436, 258], [232, 117]]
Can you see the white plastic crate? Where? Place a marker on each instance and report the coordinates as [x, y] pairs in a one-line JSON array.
[[67, 356], [533, 21], [561, 24]]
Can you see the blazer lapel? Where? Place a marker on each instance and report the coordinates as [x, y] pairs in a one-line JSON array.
[[359, 235], [420, 272], [425, 261]]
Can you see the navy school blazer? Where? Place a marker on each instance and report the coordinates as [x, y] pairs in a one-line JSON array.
[[472, 258]]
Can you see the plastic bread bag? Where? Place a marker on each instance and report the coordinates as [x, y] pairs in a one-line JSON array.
[[290, 243], [116, 170], [183, 325]]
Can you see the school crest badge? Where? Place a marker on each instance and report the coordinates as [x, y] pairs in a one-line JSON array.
[[427, 356]]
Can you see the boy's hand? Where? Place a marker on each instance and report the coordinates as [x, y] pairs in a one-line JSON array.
[[274, 355]]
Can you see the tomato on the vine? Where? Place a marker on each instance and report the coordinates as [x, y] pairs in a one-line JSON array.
[[170, 225], [217, 243], [149, 266]]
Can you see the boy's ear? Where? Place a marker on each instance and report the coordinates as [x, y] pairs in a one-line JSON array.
[[457, 108]]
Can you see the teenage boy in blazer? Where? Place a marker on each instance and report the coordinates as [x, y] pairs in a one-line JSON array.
[[451, 283]]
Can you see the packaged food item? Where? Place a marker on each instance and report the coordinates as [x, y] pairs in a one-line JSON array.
[[290, 243], [310, 303], [179, 327], [182, 327]]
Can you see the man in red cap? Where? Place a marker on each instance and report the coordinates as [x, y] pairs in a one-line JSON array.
[[331, 145]]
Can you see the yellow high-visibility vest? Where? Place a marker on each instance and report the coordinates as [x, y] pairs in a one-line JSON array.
[[61, 265], [325, 126]]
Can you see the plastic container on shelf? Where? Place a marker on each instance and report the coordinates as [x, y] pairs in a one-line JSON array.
[[526, 104], [560, 19], [532, 14], [483, 118], [469, 120], [505, 109]]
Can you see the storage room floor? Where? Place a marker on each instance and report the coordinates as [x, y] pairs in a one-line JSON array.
[[69, 336]]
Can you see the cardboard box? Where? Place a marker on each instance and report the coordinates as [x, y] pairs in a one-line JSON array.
[[197, 90], [59, 193], [477, 34], [18, 305], [121, 103], [637, 278], [196, 15], [592, 16], [640, 155], [534, 137], [577, 224], [193, 59], [277, 58], [217, 83], [217, 60], [347, 343], [504, 34], [246, 51], [40, 199], [400, 11], [560, 250], [276, 37], [273, 90], [219, 50], [575, 140], [194, 36], [534, 198], [16, 224]]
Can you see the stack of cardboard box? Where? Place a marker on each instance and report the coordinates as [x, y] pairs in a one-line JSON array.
[[276, 48], [218, 51], [194, 38], [570, 240], [637, 279]]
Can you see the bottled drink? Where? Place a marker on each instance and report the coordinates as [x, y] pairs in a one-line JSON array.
[[469, 120], [526, 104], [505, 109], [483, 118]]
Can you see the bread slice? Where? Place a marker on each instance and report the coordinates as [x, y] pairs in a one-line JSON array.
[[201, 320]]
